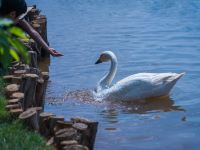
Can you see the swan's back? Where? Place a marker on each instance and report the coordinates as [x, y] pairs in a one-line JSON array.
[[143, 85]]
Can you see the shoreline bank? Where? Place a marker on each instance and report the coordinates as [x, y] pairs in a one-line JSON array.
[[25, 94]]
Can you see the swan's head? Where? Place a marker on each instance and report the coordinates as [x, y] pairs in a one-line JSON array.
[[106, 56]]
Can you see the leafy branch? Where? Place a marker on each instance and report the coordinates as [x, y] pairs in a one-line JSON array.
[[11, 48]]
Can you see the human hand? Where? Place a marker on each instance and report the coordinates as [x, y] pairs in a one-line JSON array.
[[54, 53]]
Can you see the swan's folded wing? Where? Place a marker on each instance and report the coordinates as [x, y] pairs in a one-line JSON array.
[[134, 88]]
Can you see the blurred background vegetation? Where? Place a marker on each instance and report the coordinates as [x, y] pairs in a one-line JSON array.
[[11, 47]]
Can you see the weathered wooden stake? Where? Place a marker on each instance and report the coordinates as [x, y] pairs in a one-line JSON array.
[[29, 82], [50, 141], [8, 78], [39, 92], [44, 123], [53, 120], [68, 143], [75, 147], [64, 135], [17, 95], [11, 88], [30, 118], [62, 124], [13, 106], [83, 131], [15, 112], [34, 62], [92, 130], [14, 101], [18, 73]]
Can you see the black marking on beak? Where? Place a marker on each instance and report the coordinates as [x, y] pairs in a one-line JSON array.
[[98, 61]]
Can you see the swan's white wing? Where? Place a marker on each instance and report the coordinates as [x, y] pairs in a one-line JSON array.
[[133, 86], [144, 85], [153, 78]]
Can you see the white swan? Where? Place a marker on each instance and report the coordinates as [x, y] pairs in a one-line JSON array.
[[134, 87]]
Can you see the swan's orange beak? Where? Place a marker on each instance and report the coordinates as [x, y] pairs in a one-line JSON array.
[[98, 61]]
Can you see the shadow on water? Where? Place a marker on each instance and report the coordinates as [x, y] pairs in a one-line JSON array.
[[151, 105]]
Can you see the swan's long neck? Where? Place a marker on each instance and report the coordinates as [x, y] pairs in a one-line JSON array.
[[106, 81]]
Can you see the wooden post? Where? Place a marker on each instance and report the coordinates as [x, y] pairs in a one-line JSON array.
[[22, 67], [15, 63], [11, 70], [65, 134], [44, 123], [68, 143], [30, 118], [62, 124], [38, 110], [33, 14], [43, 86], [34, 46], [34, 71], [13, 106], [15, 112], [11, 88], [14, 101], [50, 141], [12, 79], [17, 95], [19, 72], [92, 130], [29, 82], [83, 131], [39, 92], [8, 78], [17, 80], [41, 20], [53, 120], [75, 147], [33, 56]]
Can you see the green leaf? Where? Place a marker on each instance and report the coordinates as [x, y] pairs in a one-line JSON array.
[[14, 54], [20, 48], [10, 46], [17, 32], [1, 50]]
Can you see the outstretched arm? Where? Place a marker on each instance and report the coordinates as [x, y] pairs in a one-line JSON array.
[[36, 36]]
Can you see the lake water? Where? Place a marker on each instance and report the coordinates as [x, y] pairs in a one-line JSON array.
[[146, 36]]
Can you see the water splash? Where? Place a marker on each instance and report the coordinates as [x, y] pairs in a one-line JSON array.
[[151, 105], [84, 96]]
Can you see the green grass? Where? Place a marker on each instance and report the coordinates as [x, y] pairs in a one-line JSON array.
[[13, 134]]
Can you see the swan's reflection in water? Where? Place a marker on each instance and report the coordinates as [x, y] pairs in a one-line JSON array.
[[159, 104]]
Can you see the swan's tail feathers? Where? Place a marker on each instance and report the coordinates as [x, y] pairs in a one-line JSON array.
[[179, 76], [173, 79], [170, 78]]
